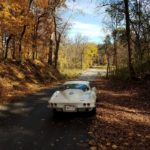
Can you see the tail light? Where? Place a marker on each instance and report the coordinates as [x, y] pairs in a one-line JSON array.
[[53, 104], [88, 104]]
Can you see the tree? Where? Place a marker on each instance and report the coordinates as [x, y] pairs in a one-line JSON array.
[[107, 46], [115, 13], [59, 30], [128, 35], [24, 27], [123, 8]]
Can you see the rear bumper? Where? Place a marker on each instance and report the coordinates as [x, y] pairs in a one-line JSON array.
[[78, 108]]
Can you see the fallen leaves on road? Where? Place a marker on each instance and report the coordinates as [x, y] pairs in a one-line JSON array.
[[123, 116]]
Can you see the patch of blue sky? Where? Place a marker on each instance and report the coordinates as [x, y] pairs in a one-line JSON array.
[[86, 20]]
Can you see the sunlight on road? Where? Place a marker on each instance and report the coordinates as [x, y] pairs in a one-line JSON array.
[[91, 74]]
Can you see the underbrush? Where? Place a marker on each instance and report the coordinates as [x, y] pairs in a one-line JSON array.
[[16, 79], [122, 121], [141, 72], [143, 69], [121, 73]]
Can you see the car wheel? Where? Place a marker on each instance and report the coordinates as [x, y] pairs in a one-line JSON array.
[[55, 112], [93, 112]]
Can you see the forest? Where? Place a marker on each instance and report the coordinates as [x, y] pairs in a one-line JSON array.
[[38, 54], [127, 48], [36, 30]]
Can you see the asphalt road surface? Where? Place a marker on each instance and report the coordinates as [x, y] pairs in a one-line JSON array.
[[28, 124]]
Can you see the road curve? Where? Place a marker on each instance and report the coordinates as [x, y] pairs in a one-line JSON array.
[[28, 124]]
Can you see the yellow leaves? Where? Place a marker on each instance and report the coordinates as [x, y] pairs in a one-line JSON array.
[[70, 73], [90, 53], [16, 8], [3, 4], [1, 7], [13, 15], [42, 3], [7, 14], [5, 10], [83, 56]]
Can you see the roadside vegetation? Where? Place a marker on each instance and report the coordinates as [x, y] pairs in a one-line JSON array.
[[19, 79], [126, 47], [35, 52], [34, 48], [123, 106], [123, 115], [71, 73]]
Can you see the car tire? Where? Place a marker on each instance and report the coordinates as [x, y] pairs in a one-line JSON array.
[[55, 112], [93, 112]]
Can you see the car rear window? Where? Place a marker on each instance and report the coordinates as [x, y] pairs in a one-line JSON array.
[[82, 87]]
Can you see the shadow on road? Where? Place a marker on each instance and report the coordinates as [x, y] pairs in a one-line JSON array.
[[71, 116], [27, 123]]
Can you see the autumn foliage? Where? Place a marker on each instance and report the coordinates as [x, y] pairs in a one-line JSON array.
[[26, 29], [122, 120]]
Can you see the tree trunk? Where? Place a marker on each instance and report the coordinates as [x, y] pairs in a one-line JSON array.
[[115, 54], [108, 66], [14, 48], [56, 56], [50, 54], [33, 55], [56, 51], [23, 33], [30, 2], [20, 42], [2, 42], [138, 35], [34, 50], [130, 65], [7, 46]]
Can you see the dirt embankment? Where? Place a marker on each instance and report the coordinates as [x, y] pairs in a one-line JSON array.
[[123, 115], [16, 79]]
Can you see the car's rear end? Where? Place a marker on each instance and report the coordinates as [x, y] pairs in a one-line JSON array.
[[72, 107]]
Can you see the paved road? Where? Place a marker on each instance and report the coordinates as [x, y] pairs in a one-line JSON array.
[[91, 74], [29, 125]]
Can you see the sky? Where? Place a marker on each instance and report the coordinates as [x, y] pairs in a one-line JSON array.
[[86, 20]]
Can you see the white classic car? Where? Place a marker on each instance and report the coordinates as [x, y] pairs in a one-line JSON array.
[[75, 96]]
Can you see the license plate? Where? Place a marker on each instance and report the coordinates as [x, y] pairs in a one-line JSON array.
[[70, 108]]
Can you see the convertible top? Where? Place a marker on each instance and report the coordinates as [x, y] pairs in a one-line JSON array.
[[77, 82]]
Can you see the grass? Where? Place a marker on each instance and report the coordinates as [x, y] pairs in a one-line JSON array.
[[101, 67], [71, 73]]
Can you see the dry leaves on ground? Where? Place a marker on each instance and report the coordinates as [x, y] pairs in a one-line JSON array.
[[123, 115]]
